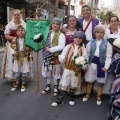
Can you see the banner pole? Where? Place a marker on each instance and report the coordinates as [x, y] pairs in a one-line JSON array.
[[37, 72], [37, 54], [37, 69]]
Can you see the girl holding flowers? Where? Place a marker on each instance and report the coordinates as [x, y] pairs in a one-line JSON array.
[[69, 78]]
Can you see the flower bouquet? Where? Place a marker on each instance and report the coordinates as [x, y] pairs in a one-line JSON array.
[[111, 40], [117, 42], [79, 62]]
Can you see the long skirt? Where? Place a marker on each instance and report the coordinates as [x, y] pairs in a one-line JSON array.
[[7, 65]]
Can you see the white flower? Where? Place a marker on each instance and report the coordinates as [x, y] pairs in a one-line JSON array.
[[117, 42], [80, 60], [37, 36]]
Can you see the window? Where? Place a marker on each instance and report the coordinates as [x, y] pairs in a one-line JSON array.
[[72, 7]]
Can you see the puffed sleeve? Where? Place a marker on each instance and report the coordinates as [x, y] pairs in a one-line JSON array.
[[63, 54], [85, 56], [109, 53], [7, 28], [61, 44], [88, 49]]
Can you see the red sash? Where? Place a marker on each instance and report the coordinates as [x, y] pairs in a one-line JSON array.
[[13, 33], [87, 25]]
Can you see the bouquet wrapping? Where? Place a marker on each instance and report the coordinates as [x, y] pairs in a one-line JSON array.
[[117, 42]]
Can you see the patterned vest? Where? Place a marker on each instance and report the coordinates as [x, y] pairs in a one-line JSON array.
[[70, 53], [15, 46], [102, 51], [55, 41]]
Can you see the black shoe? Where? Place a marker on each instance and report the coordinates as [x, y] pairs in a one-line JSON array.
[[58, 102], [47, 89]]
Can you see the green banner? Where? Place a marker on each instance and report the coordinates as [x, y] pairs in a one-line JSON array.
[[34, 27]]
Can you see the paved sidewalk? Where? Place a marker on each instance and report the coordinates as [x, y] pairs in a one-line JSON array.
[[2, 49]]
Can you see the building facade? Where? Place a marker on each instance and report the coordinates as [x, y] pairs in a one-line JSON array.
[[116, 5], [6, 9]]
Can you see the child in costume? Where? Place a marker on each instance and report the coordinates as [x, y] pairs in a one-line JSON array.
[[21, 52], [99, 52], [51, 69], [69, 79]]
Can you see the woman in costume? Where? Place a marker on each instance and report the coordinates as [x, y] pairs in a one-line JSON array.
[[10, 34], [111, 33], [70, 29]]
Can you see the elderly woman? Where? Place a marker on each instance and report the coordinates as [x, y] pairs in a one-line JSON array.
[[10, 34], [112, 32], [51, 66]]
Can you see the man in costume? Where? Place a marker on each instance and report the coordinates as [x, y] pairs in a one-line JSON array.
[[88, 23], [10, 34]]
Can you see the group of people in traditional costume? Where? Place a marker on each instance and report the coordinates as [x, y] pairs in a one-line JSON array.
[[83, 37]]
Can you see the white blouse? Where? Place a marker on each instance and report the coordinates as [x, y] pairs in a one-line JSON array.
[[109, 35], [11, 25], [65, 50], [61, 43]]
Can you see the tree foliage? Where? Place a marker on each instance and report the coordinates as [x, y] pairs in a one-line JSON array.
[[109, 14], [105, 16], [102, 16]]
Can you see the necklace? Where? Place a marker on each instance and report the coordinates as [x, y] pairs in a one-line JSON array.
[[72, 29]]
